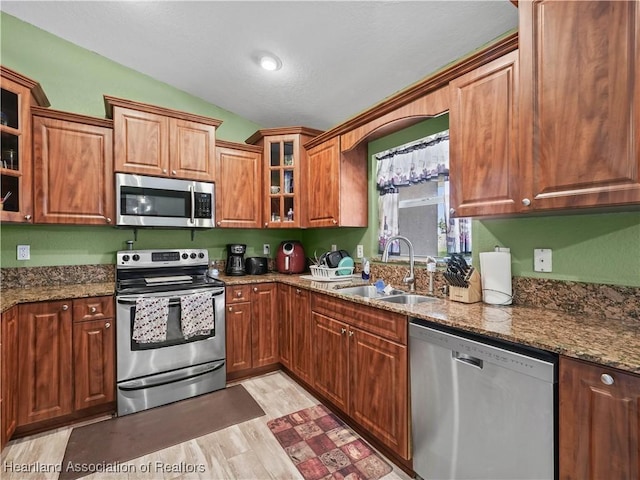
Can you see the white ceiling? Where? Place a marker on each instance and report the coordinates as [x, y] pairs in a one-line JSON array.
[[339, 58]]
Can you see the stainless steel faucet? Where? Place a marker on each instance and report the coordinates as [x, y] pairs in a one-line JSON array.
[[410, 279]]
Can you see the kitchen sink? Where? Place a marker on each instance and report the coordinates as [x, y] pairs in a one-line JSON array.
[[367, 291], [407, 299]]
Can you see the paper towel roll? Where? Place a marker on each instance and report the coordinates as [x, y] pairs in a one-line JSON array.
[[495, 269]]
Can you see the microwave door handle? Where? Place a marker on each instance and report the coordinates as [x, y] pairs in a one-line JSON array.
[[193, 204]]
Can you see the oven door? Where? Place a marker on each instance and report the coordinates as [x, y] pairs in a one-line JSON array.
[[135, 360]]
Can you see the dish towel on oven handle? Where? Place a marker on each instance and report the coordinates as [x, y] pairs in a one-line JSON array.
[[197, 314], [150, 322]]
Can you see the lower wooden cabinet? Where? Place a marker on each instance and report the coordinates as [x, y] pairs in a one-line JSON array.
[[9, 369], [66, 353], [251, 328], [301, 334], [599, 422], [360, 364]]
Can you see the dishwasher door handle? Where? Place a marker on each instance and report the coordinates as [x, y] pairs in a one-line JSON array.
[[468, 359]]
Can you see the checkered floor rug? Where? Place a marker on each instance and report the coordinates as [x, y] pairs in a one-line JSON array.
[[322, 447]]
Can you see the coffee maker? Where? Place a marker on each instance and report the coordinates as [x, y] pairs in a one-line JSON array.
[[235, 259]]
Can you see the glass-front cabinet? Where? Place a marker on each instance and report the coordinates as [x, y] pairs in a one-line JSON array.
[[283, 156], [18, 93]]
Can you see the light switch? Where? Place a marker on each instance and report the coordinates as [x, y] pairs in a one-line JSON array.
[[542, 260]]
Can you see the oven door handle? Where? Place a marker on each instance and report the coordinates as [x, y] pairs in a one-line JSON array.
[[193, 204], [132, 300], [170, 377]]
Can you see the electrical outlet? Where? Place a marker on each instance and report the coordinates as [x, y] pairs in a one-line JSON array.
[[24, 252], [359, 251], [542, 260], [334, 248], [266, 249]]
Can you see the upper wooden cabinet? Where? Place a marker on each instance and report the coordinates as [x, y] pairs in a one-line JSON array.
[[16, 168], [283, 158], [238, 164], [73, 168], [483, 132], [580, 110], [336, 193], [151, 140], [599, 422]]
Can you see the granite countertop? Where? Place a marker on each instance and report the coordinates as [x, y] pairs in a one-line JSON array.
[[610, 342]]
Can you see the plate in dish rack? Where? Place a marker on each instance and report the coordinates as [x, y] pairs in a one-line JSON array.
[[339, 278]]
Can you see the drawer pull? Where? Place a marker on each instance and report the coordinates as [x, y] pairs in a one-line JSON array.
[[255, 289], [606, 379], [65, 307], [107, 325], [238, 294], [93, 309], [351, 333], [343, 331]]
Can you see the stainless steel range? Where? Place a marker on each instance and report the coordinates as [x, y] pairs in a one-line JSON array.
[[170, 328]]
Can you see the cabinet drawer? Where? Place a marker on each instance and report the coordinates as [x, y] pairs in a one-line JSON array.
[[390, 325], [92, 308], [238, 293]]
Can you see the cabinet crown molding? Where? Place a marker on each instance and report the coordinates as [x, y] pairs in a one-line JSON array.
[[271, 132], [36, 89]]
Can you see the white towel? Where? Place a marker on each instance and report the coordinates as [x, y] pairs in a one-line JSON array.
[[197, 314], [150, 322]]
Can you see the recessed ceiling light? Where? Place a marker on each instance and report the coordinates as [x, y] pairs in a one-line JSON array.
[[270, 62]]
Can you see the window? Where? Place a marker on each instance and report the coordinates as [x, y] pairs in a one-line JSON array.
[[413, 186]]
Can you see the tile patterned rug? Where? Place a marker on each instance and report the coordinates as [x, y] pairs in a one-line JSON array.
[[322, 447]]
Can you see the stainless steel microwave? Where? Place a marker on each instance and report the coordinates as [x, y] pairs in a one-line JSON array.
[[143, 201]]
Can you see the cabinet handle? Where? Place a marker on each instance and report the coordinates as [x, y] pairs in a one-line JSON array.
[[255, 289], [606, 379], [218, 223], [231, 309], [298, 291], [65, 307], [351, 333], [452, 211], [266, 224], [107, 325], [334, 221], [93, 309], [27, 217], [238, 294], [526, 202], [164, 170], [108, 219], [343, 331], [173, 172]]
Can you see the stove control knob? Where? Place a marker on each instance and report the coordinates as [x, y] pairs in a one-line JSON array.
[[136, 257], [201, 255], [193, 255], [185, 256], [125, 258]]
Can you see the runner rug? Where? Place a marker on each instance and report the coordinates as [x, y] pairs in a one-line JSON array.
[[322, 447], [121, 439]]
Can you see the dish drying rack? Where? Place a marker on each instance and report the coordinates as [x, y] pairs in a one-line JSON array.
[[324, 272]]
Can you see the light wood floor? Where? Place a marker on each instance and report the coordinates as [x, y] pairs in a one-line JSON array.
[[245, 451]]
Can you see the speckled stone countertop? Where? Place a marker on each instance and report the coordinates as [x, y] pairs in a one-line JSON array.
[[611, 342]]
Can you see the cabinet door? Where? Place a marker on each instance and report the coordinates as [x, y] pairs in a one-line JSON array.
[[580, 89], [484, 139], [301, 356], [9, 371], [285, 293], [379, 389], [322, 180], [93, 362], [264, 325], [238, 340], [73, 172], [16, 166], [141, 142], [192, 150], [45, 361], [282, 159], [330, 359], [238, 188], [599, 422]]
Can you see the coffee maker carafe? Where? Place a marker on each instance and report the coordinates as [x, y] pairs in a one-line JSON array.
[[235, 259]]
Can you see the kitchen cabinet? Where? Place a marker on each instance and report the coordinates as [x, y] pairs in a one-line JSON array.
[[283, 158], [151, 140], [284, 325], [360, 365], [239, 185], [483, 132], [251, 329], [66, 354], [301, 334], [336, 187], [580, 104], [599, 426], [73, 168], [9, 369], [16, 167], [93, 352]]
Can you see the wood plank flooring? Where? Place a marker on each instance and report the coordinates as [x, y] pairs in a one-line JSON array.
[[245, 451]]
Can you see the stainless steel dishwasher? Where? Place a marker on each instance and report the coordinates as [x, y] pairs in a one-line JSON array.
[[481, 409]]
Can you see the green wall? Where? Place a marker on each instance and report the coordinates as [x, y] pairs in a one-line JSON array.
[[599, 248]]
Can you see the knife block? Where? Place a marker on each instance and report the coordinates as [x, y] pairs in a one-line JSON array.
[[470, 294]]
